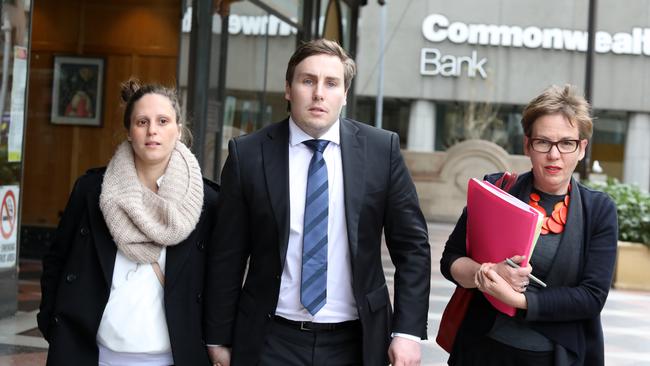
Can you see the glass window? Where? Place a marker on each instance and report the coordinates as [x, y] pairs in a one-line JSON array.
[[14, 53], [14, 46], [258, 48], [291, 9], [607, 144], [256, 71], [346, 25], [395, 115], [456, 122], [335, 21]]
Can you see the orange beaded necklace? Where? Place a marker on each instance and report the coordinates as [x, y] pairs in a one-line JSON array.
[[556, 221]]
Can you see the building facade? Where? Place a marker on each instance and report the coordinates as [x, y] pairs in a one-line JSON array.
[[457, 70], [64, 61]]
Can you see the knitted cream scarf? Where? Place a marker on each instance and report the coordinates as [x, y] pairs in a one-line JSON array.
[[143, 222]]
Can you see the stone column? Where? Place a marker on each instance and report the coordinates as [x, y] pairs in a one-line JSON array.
[[422, 126], [636, 164]]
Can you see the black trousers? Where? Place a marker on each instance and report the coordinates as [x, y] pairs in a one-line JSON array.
[[286, 345], [488, 352]]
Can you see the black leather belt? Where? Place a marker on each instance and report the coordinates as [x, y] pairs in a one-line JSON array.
[[316, 327]]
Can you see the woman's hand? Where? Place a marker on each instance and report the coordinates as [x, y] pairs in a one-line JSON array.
[[490, 282], [517, 278]]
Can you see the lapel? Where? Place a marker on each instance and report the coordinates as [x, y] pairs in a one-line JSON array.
[[177, 256], [566, 263], [353, 158], [106, 248], [275, 159]]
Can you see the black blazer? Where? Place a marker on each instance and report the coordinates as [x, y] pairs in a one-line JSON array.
[[253, 225], [78, 271], [568, 310]]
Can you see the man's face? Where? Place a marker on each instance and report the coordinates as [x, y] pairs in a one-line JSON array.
[[317, 93]]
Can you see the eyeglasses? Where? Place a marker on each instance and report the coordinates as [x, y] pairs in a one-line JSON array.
[[563, 146]]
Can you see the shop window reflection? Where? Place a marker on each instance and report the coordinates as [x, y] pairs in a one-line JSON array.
[[255, 81], [245, 113], [14, 32]]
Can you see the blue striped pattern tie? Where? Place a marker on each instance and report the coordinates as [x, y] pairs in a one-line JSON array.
[[313, 289]]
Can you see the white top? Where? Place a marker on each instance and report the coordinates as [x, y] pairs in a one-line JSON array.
[[340, 304], [134, 318], [110, 358]]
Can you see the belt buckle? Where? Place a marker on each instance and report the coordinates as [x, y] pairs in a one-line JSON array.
[[303, 327]]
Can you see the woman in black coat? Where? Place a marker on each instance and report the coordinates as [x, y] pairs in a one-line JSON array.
[[123, 281], [574, 256]]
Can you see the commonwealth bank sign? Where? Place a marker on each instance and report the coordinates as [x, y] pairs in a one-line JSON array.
[[438, 28]]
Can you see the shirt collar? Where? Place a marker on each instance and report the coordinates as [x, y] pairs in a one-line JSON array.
[[297, 135]]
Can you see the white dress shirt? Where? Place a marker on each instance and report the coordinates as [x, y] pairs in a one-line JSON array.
[[340, 304]]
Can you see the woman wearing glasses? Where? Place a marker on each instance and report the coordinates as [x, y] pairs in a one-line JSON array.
[[574, 256]]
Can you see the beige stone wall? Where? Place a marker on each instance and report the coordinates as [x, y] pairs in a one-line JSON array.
[[441, 177], [632, 266]]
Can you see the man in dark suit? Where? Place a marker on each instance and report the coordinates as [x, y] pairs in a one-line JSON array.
[[300, 217]]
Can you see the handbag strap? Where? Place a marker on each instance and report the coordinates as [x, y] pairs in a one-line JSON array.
[[506, 181], [159, 273]]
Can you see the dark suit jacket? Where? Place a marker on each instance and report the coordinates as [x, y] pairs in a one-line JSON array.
[[78, 271], [568, 311], [253, 226]]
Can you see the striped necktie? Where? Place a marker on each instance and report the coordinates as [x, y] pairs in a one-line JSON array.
[[313, 289]]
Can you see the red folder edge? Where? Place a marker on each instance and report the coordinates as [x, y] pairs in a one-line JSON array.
[[499, 226]]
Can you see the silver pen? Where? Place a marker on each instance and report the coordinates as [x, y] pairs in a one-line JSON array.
[[530, 275]]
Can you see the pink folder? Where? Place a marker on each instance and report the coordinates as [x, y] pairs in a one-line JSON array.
[[499, 226]]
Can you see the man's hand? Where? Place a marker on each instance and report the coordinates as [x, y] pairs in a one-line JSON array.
[[219, 355], [404, 352]]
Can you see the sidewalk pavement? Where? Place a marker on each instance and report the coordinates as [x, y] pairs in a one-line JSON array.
[[625, 321]]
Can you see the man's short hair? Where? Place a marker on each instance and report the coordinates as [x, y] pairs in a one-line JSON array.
[[322, 47]]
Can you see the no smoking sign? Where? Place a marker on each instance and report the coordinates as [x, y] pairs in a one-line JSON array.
[[9, 208], [8, 225]]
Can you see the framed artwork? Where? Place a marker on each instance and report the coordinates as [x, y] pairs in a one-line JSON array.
[[77, 90]]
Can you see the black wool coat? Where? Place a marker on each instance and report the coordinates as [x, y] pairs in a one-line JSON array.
[[78, 271]]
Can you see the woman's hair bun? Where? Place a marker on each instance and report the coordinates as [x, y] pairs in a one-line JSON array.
[[128, 88]]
